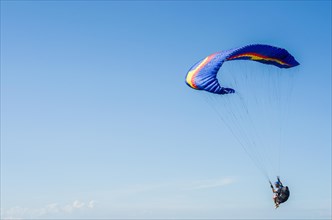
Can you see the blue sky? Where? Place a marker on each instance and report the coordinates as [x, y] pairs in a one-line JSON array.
[[97, 121]]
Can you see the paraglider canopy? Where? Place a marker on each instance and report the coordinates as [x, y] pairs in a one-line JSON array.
[[203, 75]]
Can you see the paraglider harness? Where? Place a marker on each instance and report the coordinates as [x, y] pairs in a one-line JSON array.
[[283, 194]]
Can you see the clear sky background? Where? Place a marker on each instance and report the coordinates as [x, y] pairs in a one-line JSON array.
[[97, 121]]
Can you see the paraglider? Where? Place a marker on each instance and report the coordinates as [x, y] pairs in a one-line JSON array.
[[281, 193], [240, 99]]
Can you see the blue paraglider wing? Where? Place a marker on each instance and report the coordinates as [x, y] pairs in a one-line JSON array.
[[203, 75]]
